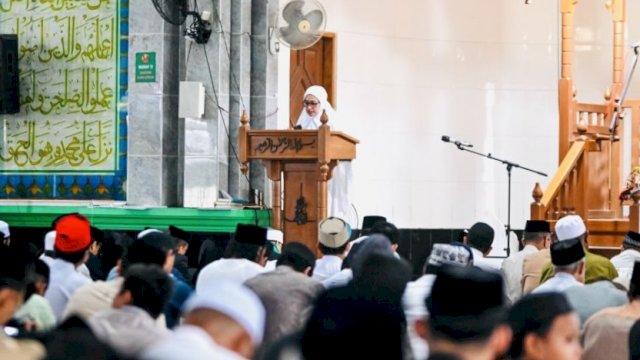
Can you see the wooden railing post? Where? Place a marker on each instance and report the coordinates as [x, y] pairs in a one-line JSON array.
[[323, 158], [537, 211], [242, 142], [565, 84]]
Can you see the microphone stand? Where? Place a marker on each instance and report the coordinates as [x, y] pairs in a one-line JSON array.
[[510, 165], [618, 107]]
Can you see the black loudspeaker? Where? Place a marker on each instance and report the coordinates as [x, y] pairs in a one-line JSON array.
[[9, 77]]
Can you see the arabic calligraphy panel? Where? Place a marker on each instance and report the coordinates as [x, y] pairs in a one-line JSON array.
[[283, 147], [73, 88]]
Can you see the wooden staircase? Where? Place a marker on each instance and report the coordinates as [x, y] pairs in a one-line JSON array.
[[590, 177]]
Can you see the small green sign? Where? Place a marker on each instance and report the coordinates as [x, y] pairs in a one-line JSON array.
[[145, 67]]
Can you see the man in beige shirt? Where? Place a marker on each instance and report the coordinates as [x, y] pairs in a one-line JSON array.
[[532, 269]]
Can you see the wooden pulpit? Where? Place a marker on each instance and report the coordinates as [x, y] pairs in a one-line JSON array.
[[303, 160]]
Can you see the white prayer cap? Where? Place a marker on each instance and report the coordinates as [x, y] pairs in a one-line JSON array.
[[4, 227], [449, 254], [570, 227], [333, 232], [144, 232], [234, 300], [49, 240], [275, 235]]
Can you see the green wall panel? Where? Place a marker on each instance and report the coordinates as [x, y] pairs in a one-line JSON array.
[[122, 218]]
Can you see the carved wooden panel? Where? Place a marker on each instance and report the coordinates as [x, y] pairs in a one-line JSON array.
[[283, 146], [300, 214]]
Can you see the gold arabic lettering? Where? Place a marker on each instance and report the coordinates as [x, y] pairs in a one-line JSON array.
[[85, 147]]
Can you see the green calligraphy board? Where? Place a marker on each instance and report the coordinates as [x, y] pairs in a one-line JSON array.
[[145, 67], [69, 140]]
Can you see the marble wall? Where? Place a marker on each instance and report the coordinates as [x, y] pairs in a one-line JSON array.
[[205, 143], [184, 162], [152, 158]]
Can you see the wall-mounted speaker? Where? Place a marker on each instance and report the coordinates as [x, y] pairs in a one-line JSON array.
[[9, 76]]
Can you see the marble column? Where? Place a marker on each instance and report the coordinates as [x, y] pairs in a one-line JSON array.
[[264, 83], [152, 157], [240, 83]]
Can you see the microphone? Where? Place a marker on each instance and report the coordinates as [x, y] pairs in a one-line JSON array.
[[445, 138]]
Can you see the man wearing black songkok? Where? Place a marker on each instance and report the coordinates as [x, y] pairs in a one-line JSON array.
[[536, 236], [363, 320], [568, 262], [467, 315], [244, 258]]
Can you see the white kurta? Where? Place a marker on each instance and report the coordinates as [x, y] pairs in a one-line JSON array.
[[93, 298], [624, 262], [327, 266], [512, 272], [64, 281], [480, 261], [341, 278], [558, 283], [415, 309]]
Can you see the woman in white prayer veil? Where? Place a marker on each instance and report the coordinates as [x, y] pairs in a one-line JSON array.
[[313, 104]]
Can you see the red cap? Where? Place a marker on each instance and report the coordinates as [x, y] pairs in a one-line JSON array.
[[73, 233]]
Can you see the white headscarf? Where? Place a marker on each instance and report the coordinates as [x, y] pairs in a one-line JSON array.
[[313, 122]]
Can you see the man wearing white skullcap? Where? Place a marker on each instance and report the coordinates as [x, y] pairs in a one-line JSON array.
[[49, 254], [333, 243], [597, 267], [6, 234], [224, 321], [275, 238]]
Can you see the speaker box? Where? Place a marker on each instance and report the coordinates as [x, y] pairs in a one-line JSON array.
[[9, 77]]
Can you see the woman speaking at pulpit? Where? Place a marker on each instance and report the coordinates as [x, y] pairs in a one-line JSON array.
[[314, 102]]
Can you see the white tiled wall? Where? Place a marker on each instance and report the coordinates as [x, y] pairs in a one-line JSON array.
[[410, 71]]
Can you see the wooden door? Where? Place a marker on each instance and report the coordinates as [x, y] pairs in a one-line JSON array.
[[311, 66]]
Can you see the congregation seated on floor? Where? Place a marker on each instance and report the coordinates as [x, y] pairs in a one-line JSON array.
[[238, 307]]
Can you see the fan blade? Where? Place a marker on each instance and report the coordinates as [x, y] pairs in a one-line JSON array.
[[298, 40], [172, 11], [285, 31], [292, 12], [315, 18]]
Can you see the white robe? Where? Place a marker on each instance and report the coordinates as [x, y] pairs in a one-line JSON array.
[[339, 202], [625, 261]]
